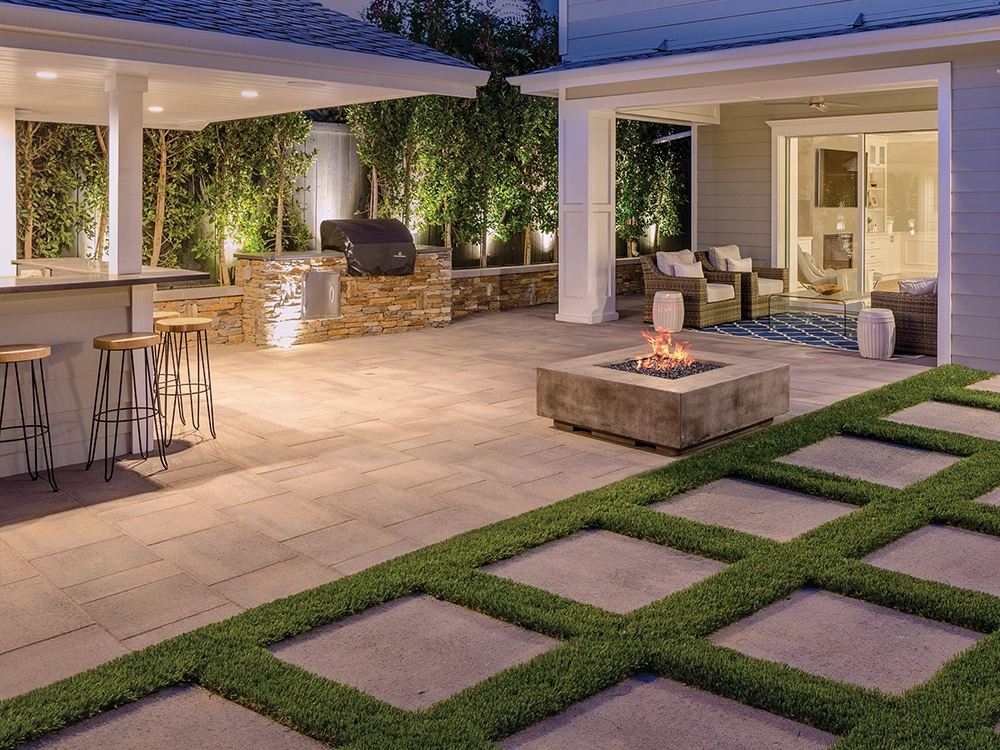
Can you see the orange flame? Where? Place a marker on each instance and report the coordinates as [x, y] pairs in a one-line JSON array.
[[663, 353]]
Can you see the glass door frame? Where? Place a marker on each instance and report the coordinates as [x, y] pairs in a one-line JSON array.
[[784, 180]]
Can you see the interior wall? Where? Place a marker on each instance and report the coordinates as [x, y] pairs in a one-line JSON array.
[[734, 164]]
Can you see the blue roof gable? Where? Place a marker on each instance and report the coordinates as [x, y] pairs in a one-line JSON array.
[[296, 21]]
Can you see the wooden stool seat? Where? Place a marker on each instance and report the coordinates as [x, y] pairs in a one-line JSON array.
[[183, 325], [164, 314], [23, 352], [123, 342]]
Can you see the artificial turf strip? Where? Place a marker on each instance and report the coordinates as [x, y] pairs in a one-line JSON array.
[[956, 709]]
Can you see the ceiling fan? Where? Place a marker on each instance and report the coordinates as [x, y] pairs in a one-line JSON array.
[[819, 103]]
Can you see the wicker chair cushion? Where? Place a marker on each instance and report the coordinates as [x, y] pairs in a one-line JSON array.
[[769, 286], [717, 255], [720, 292], [743, 265], [689, 270], [925, 285], [665, 261]]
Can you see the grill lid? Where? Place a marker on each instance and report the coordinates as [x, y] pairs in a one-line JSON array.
[[372, 247]]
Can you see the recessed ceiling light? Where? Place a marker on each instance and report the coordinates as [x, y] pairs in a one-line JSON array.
[[47, 74], [305, 84], [249, 94], [156, 109]]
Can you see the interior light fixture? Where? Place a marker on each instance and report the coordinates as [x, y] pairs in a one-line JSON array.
[[156, 109], [249, 94], [46, 74]]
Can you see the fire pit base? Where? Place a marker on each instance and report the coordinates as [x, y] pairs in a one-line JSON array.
[[671, 416]]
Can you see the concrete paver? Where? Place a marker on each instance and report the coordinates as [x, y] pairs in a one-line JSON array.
[[651, 713], [870, 460], [947, 555], [990, 384], [755, 509], [180, 716], [848, 640], [608, 570], [990, 498], [441, 396], [415, 651], [951, 418]]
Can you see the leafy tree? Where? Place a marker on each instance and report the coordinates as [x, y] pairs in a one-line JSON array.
[[651, 179], [282, 163], [172, 208], [52, 162]]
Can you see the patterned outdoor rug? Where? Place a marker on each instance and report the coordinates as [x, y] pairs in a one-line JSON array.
[[797, 327]]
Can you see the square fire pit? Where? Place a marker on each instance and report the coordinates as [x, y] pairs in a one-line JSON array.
[[672, 416]]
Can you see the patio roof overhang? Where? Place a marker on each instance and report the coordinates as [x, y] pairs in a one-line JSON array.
[[195, 76]]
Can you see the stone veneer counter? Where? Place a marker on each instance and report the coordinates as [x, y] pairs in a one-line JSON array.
[[273, 287]]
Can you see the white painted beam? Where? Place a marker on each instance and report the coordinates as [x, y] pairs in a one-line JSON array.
[[586, 214], [8, 190], [125, 172]]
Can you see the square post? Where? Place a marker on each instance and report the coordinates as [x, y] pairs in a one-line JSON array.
[[586, 214], [125, 172], [8, 190]]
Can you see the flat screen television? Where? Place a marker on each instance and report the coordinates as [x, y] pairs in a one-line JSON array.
[[836, 178]]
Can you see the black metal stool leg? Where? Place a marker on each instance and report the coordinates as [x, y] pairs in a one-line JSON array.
[[37, 429], [203, 356], [42, 405]]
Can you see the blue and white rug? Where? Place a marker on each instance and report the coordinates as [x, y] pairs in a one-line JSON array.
[[797, 327]]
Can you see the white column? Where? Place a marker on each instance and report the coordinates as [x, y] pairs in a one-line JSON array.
[[125, 172], [586, 214], [8, 190]]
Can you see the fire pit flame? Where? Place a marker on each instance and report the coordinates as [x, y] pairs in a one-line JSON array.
[[663, 353]]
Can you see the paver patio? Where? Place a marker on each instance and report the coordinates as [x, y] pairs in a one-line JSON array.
[[848, 640], [651, 713], [330, 458]]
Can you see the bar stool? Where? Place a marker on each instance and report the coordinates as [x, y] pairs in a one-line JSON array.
[[174, 372], [37, 430], [141, 412]]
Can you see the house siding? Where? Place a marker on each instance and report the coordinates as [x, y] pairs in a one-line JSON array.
[[603, 28], [734, 167], [975, 200]]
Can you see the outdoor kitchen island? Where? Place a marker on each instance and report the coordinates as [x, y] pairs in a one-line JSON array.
[[78, 300]]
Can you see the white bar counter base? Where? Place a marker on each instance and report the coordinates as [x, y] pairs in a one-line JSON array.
[[66, 310]]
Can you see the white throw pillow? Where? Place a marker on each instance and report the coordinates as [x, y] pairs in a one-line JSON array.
[[717, 255], [924, 285], [743, 265], [665, 261], [689, 270]]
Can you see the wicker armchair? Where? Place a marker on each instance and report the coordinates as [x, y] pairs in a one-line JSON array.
[[916, 320], [698, 311], [752, 303]]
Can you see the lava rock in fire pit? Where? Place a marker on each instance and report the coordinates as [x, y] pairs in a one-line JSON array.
[[672, 372]]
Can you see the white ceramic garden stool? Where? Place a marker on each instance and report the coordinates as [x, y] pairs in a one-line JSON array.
[[876, 333], [668, 311]]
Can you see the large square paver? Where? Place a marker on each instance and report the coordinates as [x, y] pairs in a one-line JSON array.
[[941, 553], [871, 460], [990, 498], [611, 571], [848, 640], [969, 420], [754, 509], [650, 713], [178, 717], [415, 651]]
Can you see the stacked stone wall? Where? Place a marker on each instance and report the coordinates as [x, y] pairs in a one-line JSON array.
[[273, 287], [226, 313], [628, 277]]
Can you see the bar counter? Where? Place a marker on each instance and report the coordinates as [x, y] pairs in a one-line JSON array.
[[75, 301]]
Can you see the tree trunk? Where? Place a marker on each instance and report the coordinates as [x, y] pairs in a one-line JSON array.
[[279, 219], [220, 238], [527, 244], [29, 231], [447, 225], [102, 223], [373, 201], [484, 255], [161, 203], [555, 247]]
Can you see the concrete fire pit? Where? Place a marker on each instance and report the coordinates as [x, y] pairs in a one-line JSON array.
[[672, 416]]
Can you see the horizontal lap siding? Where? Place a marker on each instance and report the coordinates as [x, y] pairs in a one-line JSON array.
[[975, 255], [600, 28]]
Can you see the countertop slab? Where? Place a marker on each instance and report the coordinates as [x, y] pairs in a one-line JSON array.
[[68, 274]]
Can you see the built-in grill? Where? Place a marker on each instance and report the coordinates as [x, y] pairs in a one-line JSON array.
[[372, 247]]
